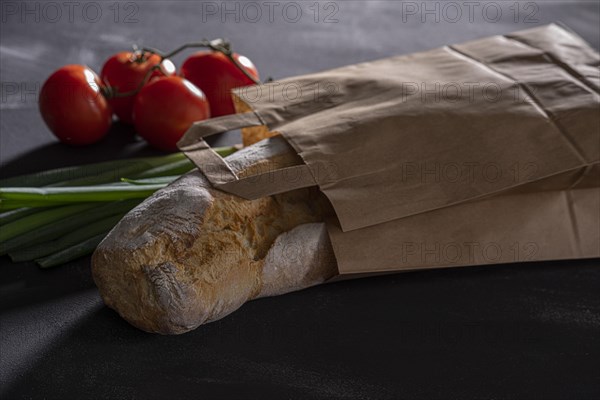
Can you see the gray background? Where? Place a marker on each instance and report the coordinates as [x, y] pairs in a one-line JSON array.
[[517, 331]]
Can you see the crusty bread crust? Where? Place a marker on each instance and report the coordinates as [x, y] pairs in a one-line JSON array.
[[191, 254]]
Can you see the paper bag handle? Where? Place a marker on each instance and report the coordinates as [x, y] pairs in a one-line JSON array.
[[219, 173]]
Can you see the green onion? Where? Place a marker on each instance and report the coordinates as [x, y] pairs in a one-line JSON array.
[[79, 250], [175, 168], [227, 150], [103, 177], [42, 218], [80, 194], [108, 170], [37, 205], [15, 214], [151, 181], [53, 231], [68, 240]]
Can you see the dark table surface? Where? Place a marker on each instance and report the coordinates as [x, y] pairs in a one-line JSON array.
[[520, 331]]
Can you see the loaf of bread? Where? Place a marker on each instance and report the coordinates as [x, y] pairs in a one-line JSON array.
[[191, 254]]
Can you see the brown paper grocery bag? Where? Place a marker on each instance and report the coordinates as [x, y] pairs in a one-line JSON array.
[[485, 152]]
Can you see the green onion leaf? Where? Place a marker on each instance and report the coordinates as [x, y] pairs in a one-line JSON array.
[[37, 220], [79, 250], [69, 240], [88, 174], [53, 231], [9, 197], [164, 180], [15, 214]]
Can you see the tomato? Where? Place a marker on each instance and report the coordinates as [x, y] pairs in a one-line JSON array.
[[73, 107], [216, 75], [165, 108], [124, 72]]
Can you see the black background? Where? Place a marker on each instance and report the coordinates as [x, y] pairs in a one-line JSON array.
[[520, 331]]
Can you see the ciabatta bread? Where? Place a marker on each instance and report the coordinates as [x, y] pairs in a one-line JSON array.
[[191, 254]]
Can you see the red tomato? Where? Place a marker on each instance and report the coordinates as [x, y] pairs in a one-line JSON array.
[[124, 72], [216, 75], [73, 107], [165, 108]]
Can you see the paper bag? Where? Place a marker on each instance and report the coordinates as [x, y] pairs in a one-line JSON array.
[[484, 152]]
